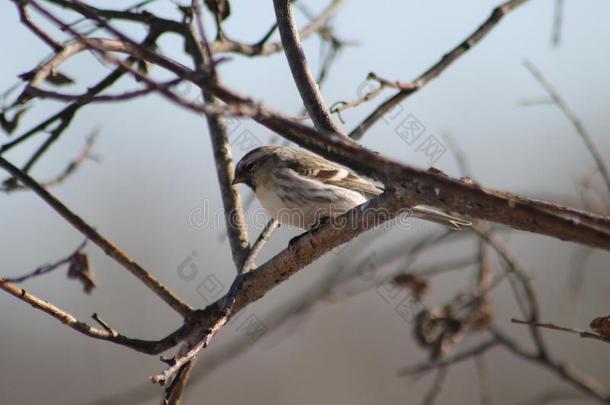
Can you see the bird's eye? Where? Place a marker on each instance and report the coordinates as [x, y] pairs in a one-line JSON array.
[[249, 166]]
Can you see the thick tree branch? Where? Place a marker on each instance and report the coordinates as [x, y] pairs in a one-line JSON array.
[[405, 185], [223, 314], [416, 186], [304, 251]]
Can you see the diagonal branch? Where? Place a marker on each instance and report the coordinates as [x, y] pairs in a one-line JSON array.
[[564, 371], [231, 199], [433, 72], [94, 236], [144, 346], [573, 118], [426, 366], [301, 73], [416, 186], [47, 268], [39, 32], [224, 313], [581, 333]]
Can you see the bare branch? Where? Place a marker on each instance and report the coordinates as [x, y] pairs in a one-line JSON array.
[[409, 88], [557, 23], [301, 73], [106, 98], [94, 236], [27, 21], [437, 386], [424, 367], [585, 383], [12, 184], [423, 187], [223, 314], [581, 333], [47, 268], [144, 346], [571, 115]]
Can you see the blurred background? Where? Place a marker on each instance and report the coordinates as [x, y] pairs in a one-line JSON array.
[[154, 190]]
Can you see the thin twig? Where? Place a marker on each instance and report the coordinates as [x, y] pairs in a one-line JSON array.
[[437, 386], [39, 32], [581, 333], [508, 208], [566, 372], [573, 118], [524, 293], [423, 187], [424, 367], [409, 88], [481, 366], [47, 267], [223, 314], [106, 98], [557, 23], [71, 168], [94, 236], [144, 346], [263, 238]]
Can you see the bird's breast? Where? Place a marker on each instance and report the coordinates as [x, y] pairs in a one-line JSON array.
[[304, 208]]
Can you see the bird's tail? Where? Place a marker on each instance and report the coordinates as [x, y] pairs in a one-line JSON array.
[[450, 221]]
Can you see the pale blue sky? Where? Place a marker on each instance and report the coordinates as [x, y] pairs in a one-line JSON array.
[[157, 167]]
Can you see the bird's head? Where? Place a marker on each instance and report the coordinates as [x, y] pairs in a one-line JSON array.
[[251, 169]]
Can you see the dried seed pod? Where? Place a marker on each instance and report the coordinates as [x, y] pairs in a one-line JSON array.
[[601, 326], [417, 284], [80, 269]]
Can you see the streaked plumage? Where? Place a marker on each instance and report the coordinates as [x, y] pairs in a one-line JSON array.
[[301, 189]]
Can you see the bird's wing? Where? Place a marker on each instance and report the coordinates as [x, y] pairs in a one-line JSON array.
[[327, 172]]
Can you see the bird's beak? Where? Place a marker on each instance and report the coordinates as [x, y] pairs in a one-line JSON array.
[[239, 178]]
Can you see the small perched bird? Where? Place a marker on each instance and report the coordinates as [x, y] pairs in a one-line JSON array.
[[301, 189]]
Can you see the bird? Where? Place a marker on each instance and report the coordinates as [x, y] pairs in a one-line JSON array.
[[302, 190]]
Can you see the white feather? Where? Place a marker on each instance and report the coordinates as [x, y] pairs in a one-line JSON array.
[[301, 202]]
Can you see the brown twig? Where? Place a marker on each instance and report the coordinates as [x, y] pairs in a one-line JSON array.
[[423, 187], [144, 346], [436, 387], [524, 293], [409, 88], [433, 188], [481, 367], [573, 118], [581, 333], [94, 236], [550, 217], [47, 268], [71, 168], [427, 366], [106, 98], [301, 73], [585, 383], [180, 369], [39, 32]]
